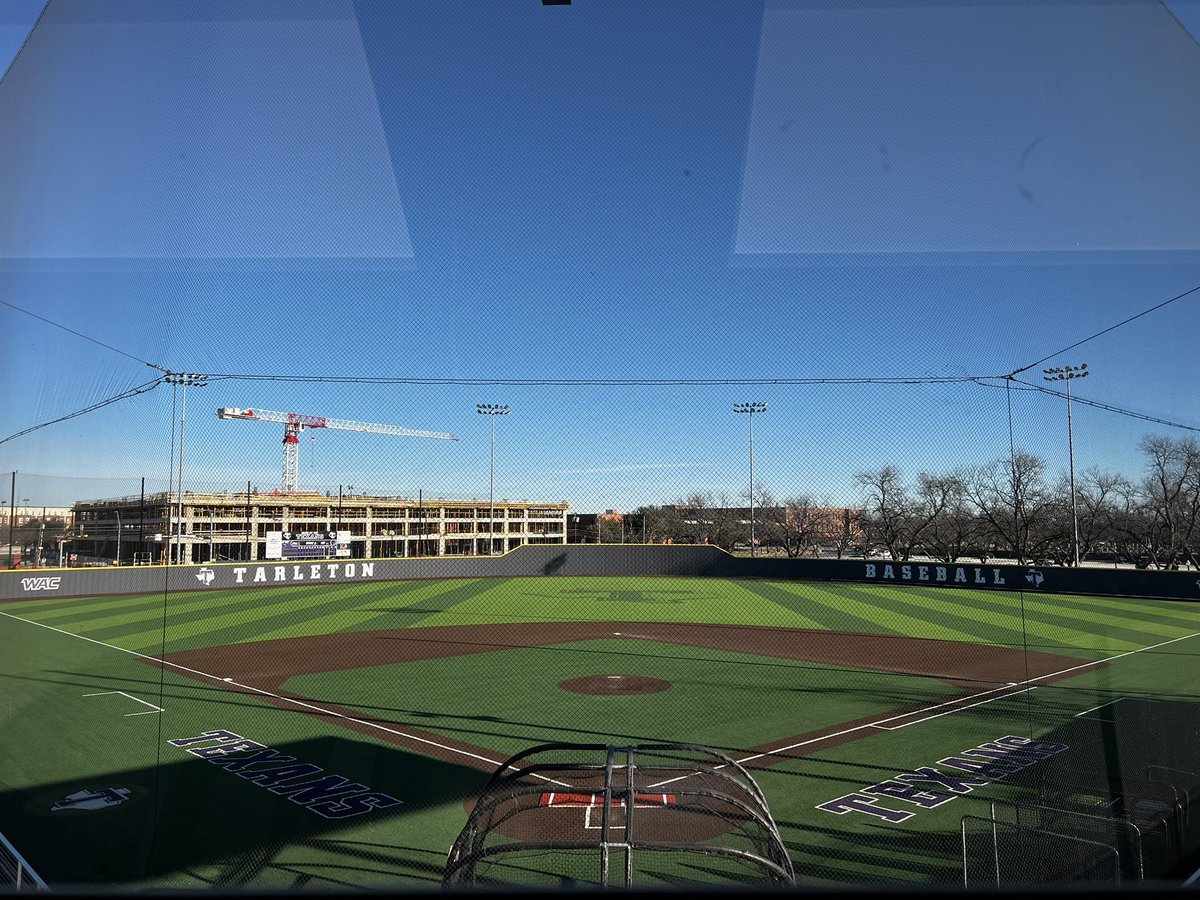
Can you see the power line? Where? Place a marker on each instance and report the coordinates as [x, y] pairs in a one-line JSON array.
[[12, 62], [1144, 312], [80, 334], [1107, 407], [605, 382], [124, 395]]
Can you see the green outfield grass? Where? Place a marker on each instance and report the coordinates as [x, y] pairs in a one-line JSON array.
[[84, 707], [1060, 622]]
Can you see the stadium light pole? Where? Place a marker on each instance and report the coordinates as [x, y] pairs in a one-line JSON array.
[[183, 379], [1067, 374], [491, 410], [12, 513], [750, 409]]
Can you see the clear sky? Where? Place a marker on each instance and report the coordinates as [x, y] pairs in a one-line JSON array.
[[619, 217]]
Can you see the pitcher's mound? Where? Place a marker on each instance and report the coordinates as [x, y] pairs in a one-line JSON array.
[[614, 684]]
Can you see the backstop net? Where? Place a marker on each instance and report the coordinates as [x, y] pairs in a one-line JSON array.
[[655, 815]]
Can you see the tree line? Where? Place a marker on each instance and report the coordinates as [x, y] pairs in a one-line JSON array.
[[1010, 507]]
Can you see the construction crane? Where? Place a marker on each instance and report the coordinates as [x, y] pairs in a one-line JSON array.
[[294, 423]]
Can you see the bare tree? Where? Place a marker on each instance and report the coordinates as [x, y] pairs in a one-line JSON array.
[[843, 530], [1099, 499], [1013, 500], [888, 511], [1172, 487], [953, 529], [794, 525]]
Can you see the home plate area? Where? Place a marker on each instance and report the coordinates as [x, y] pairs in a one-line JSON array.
[[592, 806], [605, 815]]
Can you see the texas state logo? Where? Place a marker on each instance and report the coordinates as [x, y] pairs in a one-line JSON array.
[[1035, 577], [87, 800]]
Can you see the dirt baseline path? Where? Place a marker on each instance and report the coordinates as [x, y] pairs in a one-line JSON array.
[[970, 669]]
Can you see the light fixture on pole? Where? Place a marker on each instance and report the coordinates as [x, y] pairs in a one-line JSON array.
[[184, 379], [1068, 374], [491, 410], [750, 409]]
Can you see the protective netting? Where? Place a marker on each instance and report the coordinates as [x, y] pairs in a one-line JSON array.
[[1114, 807]]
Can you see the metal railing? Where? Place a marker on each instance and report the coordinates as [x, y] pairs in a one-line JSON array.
[[15, 871]]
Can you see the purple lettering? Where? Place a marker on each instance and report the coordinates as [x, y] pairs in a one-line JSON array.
[[354, 805], [863, 804], [211, 753], [910, 794], [263, 754], [268, 777], [207, 736], [1047, 747], [990, 770], [1019, 756], [956, 784], [308, 791]]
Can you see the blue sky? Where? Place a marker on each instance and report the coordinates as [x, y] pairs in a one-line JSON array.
[[723, 201]]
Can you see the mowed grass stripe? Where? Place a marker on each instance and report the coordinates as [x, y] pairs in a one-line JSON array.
[[1185, 612], [878, 607], [1009, 618], [795, 597], [1001, 610], [1061, 617], [240, 612], [339, 612], [982, 626], [188, 607], [411, 605], [437, 597], [1064, 607], [624, 599], [83, 607]]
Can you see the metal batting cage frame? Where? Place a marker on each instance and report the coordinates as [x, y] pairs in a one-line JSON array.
[[665, 815]]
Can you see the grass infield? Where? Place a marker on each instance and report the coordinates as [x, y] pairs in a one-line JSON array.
[[411, 692]]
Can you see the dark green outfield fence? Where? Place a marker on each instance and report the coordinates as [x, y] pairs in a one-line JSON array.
[[615, 560]]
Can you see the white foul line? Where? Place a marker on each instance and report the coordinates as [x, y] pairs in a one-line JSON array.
[[1029, 681], [153, 709], [247, 687], [743, 761]]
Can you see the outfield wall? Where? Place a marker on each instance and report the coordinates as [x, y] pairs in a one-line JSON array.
[[612, 560]]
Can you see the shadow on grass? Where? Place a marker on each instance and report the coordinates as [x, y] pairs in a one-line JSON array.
[[228, 821]]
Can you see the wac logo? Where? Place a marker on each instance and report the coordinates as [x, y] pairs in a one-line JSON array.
[[92, 799], [1034, 577], [41, 583], [205, 576]]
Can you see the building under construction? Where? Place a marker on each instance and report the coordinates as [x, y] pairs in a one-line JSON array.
[[249, 525]]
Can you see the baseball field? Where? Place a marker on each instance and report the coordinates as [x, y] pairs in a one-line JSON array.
[[335, 736]]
